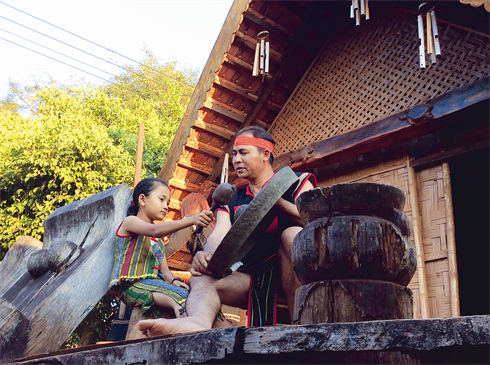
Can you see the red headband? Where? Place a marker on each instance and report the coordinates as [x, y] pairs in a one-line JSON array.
[[254, 141]]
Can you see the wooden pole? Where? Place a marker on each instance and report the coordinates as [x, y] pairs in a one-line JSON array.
[[419, 248], [451, 241], [224, 170], [137, 178], [139, 154]]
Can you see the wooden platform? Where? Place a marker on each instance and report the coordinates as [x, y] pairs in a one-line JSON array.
[[455, 340]]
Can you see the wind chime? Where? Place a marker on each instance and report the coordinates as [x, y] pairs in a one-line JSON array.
[[358, 8], [432, 36], [262, 55]]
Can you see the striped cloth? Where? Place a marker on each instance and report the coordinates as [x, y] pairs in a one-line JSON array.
[[136, 272], [135, 258], [262, 297]]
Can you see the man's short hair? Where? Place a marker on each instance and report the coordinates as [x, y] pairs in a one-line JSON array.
[[259, 132]]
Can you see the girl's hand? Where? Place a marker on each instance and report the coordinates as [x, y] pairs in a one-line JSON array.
[[181, 284], [202, 219]]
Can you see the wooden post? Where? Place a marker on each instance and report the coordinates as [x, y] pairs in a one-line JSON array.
[[451, 241], [139, 154], [137, 178], [419, 248]]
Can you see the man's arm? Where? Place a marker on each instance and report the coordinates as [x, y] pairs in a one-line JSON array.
[[201, 259], [289, 210]]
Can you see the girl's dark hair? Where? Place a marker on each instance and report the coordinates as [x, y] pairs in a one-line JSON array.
[[259, 132], [145, 187]]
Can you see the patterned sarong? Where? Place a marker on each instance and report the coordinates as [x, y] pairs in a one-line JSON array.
[[139, 293]]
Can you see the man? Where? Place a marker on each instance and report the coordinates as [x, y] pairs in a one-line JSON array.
[[253, 286]]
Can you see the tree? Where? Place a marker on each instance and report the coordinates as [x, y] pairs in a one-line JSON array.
[[78, 141]]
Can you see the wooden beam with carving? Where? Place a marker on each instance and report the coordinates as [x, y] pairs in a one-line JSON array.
[[212, 66], [464, 102]]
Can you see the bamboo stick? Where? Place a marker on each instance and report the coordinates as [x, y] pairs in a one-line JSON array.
[[224, 170], [451, 241], [419, 248]]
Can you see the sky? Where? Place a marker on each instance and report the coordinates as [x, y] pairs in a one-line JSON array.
[[172, 30]]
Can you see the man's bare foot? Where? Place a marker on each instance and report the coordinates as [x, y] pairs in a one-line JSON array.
[[162, 326]]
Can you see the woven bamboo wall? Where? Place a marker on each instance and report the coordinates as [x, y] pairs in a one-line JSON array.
[[433, 217], [369, 72]]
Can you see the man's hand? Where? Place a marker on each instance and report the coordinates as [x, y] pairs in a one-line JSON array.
[[200, 263]]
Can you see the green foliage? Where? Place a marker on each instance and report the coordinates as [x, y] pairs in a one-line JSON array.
[[81, 140], [48, 162]]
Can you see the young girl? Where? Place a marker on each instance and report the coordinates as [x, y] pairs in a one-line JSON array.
[[140, 273]]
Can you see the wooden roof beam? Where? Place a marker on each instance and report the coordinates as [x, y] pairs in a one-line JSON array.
[[267, 23], [174, 204], [251, 42], [230, 112], [313, 16], [183, 185], [225, 110], [214, 129], [194, 166], [229, 85], [204, 148], [240, 63]]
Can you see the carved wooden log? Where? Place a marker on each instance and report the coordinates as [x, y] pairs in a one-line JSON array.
[[14, 329], [354, 258], [79, 248], [353, 247], [351, 301]]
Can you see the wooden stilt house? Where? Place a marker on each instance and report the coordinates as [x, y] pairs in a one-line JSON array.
[[351, 103]]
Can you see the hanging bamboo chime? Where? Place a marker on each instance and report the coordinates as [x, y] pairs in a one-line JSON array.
[[262, 55], [358, 8], [432, 35]]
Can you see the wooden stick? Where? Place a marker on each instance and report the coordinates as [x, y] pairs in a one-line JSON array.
[[224, 170], [139, 154], [419, 247], [366, 5], [451, 241]]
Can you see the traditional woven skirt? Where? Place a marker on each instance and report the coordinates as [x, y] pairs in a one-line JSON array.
[[140, 293]]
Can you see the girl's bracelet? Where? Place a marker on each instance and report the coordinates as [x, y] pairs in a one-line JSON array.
[[178, 279]]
